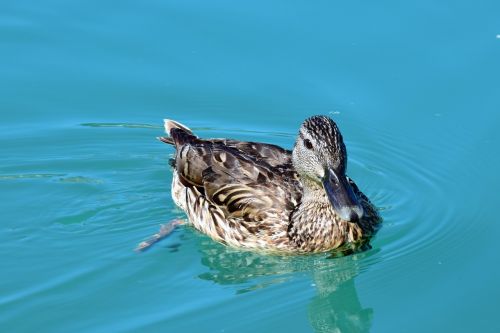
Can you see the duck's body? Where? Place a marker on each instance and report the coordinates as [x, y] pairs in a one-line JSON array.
[[250, 195]]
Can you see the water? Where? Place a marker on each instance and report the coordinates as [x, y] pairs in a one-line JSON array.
[[413, 86]]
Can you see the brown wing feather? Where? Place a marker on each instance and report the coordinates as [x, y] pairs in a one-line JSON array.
[[271, 154], [241, 185]]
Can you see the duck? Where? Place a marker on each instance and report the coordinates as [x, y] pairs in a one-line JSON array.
[[261, 197]]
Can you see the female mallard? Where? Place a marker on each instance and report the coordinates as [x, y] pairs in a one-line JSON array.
[[260, 196]]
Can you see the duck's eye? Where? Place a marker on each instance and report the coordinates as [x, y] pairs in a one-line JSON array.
[[308, 144]]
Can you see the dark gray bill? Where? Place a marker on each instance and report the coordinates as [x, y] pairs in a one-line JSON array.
[[343, 199]]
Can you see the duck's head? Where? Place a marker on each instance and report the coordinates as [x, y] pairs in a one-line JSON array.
[[320, 157]]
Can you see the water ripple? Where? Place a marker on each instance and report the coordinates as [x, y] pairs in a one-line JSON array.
[[124, 125], [232, 131], [61, 177], [31, 176], [417, 201]]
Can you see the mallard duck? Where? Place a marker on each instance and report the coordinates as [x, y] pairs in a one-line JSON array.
[[259, 196]]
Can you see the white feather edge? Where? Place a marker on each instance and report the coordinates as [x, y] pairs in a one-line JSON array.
[[169, 124]]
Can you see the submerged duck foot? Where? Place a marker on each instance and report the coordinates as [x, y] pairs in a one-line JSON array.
[[165, 230]]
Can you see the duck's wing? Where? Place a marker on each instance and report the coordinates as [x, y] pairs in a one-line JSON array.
[[239, 184], [271, 154]]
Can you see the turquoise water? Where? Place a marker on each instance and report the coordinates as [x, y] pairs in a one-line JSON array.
[[414, 87]]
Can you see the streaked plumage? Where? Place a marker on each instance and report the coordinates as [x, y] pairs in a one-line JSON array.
[[260, 196]]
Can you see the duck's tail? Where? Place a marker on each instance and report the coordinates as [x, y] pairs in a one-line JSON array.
[[178, 133]]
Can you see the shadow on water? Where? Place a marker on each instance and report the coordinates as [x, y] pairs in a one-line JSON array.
[[335, 307]]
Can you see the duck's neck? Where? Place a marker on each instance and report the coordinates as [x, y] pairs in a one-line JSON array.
[[314, 225], [313, 192]]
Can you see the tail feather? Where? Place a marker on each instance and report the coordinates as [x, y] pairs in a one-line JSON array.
[[171, 124], [166, 139], [178, 133]]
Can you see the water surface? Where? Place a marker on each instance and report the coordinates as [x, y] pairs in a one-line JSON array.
[[413, 86]]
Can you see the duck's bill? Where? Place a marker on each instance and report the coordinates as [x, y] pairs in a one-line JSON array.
[[342, 197]]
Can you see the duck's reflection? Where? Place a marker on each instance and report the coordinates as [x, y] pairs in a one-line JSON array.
[[334, 308], [337, 308]]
